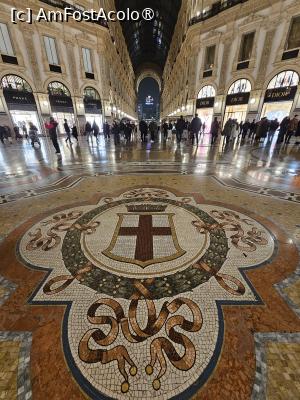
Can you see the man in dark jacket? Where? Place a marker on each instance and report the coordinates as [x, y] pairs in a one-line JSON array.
[[262, 129], [245, 129], [252, 128], [195, 127], [283, 129], [52, 126], [214, 130], [144, 130], [96, 130], [67, 131], [291, 130], [115, 130], [165, 129], [180, 124], [153, 130], [106, 129]]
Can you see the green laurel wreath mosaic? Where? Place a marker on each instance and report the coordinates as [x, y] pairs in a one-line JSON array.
[[114, 285]]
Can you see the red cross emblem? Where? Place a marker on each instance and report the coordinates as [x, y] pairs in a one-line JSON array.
[[144, 239]]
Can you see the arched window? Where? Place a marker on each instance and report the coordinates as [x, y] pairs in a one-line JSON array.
[[207, 91], [15, 82], [91, 93], [284, 79], [58, 89], [240, 86]]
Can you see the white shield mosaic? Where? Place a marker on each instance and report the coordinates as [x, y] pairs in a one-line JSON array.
[[144, 276]]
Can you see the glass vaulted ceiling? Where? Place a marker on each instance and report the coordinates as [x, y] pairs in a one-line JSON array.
[[149, 41]]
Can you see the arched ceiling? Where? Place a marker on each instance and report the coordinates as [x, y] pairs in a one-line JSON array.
[[149, 41]]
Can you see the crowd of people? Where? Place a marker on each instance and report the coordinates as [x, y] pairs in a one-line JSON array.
[[234, 130], [181, 129]]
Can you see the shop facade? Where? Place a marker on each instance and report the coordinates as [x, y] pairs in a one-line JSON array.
[[205, 106], [237, 101], [93, 107], [20, 102], [61, 104], [280, 94]]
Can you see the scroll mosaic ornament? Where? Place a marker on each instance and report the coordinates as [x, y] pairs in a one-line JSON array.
[[144, 276]]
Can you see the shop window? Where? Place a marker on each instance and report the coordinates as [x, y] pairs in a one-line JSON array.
[[5, 42], [6, 49], [246, 47], [284, 79], [87, 62], [209, 58], [240, 86], [91, 93], [51, 52], [207, 91], [14, 82], [58, 89], [293, 40]]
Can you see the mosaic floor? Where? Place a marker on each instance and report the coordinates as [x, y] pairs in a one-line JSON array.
[[162, 278]]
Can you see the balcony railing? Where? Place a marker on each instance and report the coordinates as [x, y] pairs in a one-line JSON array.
[[215, 9], [63, 4]]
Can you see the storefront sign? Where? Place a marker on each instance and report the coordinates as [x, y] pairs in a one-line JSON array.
[[205, 102], [61, 104], [17, 100], [280, 94], [237, 99], [92, 106]]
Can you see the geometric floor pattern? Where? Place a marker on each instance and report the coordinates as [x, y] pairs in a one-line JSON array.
[[15, 365], [277, 366], [149, 293]]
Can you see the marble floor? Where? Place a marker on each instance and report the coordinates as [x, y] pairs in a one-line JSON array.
[[143, 271]]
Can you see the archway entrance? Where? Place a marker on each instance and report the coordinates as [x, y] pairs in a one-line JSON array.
[[148, 100], [20, 102], [237, 100], [205, 106], [61, 104], [93, 107]]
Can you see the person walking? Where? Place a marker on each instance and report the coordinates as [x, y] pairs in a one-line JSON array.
[[144, 130], [75, 132], [165, 130], [24, 129], [127, 132], [106, 130], [274, 124], [2, 134], [17, 132], [180, 124], [96, 130], [291, 130], [33, 134], [235, 130], [214, 130], [67, 131], [153, 130], [283, 129], [170, 128], [116, 132], [245, 129], [52, 127], [195, 127], [252, 129], [227, 131], [88, 131]]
